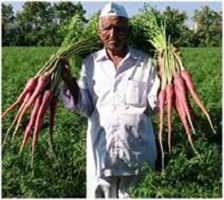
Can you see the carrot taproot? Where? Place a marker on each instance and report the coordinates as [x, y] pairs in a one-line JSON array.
[[170, 104], [181, 92], [31, 122], [31, 84], [185, 74], [40, 116], [17, 116], [162, 100], [183, 117], [192, 113], [42, 81], [53, 109]]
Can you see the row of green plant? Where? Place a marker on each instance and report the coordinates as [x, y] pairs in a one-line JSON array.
[[63, 174]]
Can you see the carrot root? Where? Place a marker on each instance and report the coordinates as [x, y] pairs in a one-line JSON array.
[[31, 123], [41, 83], [162, 99], [16, 117], [31, 84], [170, 101], [180, 91], [190, 85], [40, 115], [182, 114]]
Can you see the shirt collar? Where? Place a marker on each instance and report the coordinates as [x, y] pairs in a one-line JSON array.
[[102, 55]]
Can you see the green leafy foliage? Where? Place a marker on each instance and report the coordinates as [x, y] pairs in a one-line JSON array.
[[185, 175], [63, 174], [78, 30], [54, 175]]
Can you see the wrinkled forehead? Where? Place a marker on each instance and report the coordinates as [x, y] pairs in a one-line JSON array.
[[115, 20]]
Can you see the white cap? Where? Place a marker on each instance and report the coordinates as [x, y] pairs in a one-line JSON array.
[[113, 9]]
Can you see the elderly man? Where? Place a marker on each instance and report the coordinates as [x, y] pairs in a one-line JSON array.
[[117, 91]]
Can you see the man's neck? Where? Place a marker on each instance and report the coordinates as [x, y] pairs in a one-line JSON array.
[[116, 57]]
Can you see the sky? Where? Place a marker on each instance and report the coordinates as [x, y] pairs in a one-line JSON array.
[[133, 7]]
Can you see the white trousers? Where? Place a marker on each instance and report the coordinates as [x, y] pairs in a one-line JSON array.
[[113, 187]]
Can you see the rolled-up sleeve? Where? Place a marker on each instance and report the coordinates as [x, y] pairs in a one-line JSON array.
[[67, 98]]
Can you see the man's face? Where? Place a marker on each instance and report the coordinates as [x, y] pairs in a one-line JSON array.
[[113, 31]]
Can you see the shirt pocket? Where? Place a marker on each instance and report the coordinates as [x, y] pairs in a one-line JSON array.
[[136, 93]]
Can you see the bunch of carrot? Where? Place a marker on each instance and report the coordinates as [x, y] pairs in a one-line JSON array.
[[41, 93], [176, 83]]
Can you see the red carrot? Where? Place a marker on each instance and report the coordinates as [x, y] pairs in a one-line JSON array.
[[40, 116], [192, 113], [183, 116], [17, 116], [31, 84], [42, 81], [31, 122], [162, 100], [190, 85], [53, 109], [170, 104], [180, 91]]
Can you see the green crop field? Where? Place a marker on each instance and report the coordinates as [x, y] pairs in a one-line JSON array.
[[62, 175]]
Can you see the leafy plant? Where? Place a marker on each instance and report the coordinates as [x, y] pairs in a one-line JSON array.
[[63, 174]]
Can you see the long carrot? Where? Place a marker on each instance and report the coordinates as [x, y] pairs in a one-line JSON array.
[[192, 113], [183, 116], [17, 116], [42, 81], [53, 109], [39, 119], [170, 104], [31, 84], [31, 122], [162, 100], [180, 91], [190, 85]]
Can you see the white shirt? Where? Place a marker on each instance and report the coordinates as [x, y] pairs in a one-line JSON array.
[[118, 103]]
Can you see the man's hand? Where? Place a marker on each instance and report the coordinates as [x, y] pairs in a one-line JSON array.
[[70, 81], [66, 73]]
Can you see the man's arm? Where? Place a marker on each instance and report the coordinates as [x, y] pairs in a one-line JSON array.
[[70, 83], [74, 97]]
